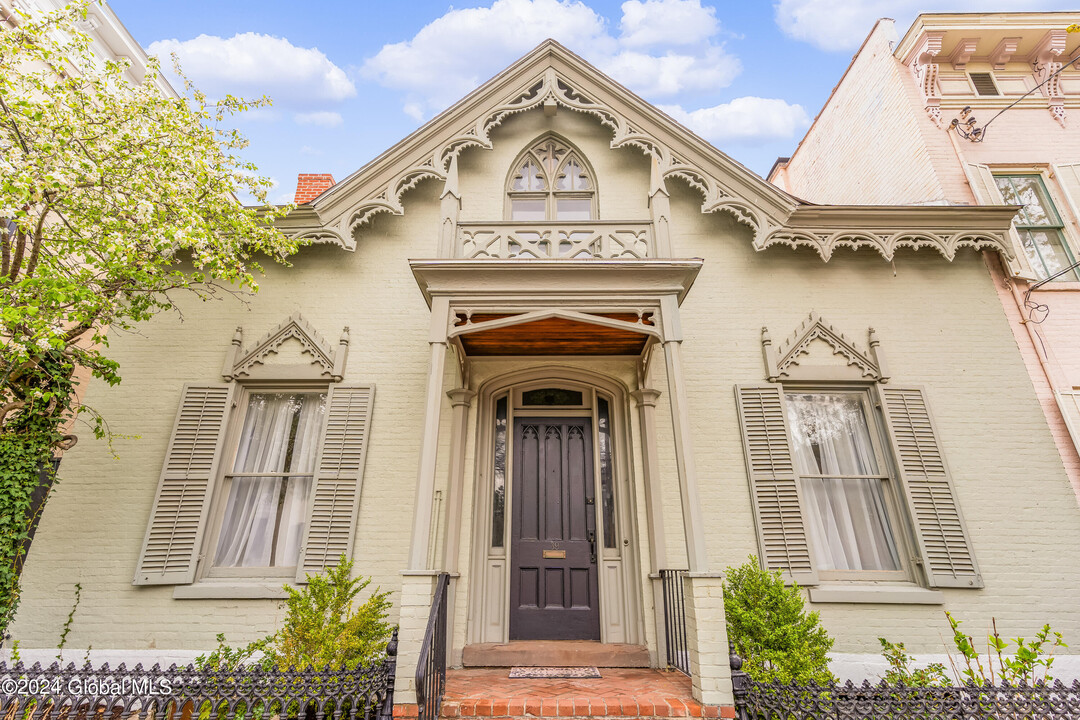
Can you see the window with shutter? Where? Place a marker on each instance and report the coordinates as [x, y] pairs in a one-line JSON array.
[[827, 502], [269, 493], [1041, 230]]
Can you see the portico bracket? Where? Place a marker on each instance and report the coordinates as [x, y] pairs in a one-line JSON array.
[[582, 317]]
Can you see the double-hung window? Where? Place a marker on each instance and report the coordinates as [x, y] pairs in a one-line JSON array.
[[850, 512], [257, 483], [267, 490], [1041, 230], [845, 479]]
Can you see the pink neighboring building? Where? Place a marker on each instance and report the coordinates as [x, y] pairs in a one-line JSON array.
[[973, 109]]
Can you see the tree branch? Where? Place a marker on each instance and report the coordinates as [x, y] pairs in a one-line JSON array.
[[16, 261], [35, 249], [15, 127]]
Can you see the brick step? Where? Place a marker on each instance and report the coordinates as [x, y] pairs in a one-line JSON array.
[[610, 707]]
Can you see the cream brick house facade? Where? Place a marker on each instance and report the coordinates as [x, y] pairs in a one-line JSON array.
[[553, 343], [964, 110]]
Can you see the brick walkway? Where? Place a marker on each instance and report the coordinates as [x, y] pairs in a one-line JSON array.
[[620, 692]]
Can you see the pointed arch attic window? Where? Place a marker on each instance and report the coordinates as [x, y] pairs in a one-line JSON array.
[[551, 181]]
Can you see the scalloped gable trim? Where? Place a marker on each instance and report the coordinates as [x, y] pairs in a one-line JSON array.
[[552, 75]]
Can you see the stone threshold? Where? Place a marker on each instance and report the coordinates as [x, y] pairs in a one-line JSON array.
[[555, 653]]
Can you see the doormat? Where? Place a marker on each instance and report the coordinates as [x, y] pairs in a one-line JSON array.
[[554, 672]]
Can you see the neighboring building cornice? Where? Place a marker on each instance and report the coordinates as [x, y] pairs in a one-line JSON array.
[[982, 23]]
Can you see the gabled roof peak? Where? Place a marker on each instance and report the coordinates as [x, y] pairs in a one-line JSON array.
[[549, 75]]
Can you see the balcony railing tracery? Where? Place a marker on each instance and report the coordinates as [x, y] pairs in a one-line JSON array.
[[548, 240]]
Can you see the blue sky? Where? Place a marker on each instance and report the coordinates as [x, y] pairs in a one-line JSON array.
[[350, 79]]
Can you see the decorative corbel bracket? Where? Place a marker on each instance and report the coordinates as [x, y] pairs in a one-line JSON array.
[[788, 362], [1045, 66], [318, 360], [1003, 52], [924, 69], [961, 56]]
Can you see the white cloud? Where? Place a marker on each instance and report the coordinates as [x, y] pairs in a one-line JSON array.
[[455, 53], [673, 73], [746, 120], [831, 25], [323, 119], [252, 64], [666, 22], [458, 51]]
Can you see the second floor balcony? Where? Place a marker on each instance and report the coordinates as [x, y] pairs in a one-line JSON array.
[[555, 240]]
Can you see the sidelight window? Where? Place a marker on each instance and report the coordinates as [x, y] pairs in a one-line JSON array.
[[498, 501]]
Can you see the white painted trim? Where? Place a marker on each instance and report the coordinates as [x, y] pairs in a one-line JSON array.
[[883, 594], [212, 590], [588, 381]]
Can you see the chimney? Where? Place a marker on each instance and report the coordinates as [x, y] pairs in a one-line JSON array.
[[310, 185]]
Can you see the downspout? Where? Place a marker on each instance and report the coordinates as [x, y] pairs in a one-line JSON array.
[[1036, 342]]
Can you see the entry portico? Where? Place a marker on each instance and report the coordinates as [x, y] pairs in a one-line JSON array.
[[552, 356]]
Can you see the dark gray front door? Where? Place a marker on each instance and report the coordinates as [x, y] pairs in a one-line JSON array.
[[553, 586]]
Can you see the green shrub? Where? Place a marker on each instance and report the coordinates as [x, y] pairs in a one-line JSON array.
[[1030, 663], [778, 640], [901, 671], [322, 628]]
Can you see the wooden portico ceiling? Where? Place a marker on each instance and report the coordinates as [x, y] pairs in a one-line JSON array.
[[554, 335], [555, 307]]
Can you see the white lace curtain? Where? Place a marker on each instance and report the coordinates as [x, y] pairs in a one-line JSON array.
[[264, 522], [848, 524]]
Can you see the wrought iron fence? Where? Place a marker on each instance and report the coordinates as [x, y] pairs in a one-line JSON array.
[[881, 701], [431, 667], [678, 656], [61, 692]]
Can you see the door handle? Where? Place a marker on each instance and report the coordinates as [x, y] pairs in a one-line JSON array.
[[592, 548]]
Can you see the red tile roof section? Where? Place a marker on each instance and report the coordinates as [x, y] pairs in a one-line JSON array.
[[310, 185]]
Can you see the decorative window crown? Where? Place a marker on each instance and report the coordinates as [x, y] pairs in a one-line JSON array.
[[269, 359], [797, 359]]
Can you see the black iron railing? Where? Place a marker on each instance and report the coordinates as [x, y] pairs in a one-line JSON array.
[[866, 701], [678, 656], [431, 667], [246, 693]]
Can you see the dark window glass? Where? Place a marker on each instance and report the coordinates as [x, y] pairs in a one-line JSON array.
[[498, 503], [607, 491], [551, 396]]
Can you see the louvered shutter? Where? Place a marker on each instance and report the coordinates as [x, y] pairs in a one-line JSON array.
[[174, 535], [774, 485], [943, 541], [1069, 403], [339, 472], [1068, 176], [987, 193]]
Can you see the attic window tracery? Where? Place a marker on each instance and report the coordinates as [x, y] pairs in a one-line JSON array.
[[551, 181]]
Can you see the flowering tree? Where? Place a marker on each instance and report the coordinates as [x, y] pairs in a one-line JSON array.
[[114, 196]]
